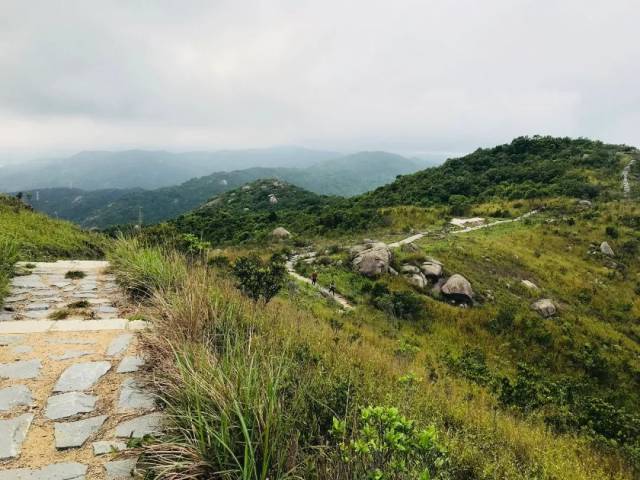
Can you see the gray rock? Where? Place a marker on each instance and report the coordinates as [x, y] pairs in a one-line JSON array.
[[281, 233], [141, 426], [409, 269], [33, 307], [458, 288], [431, 269], [61, 284], [10, 340], [119, 344], [133, 398], [23, 349], [606, 249], [37, 314], [544, 307], [12, 433], [108, 446], [20, 370], [373, 261], [106, 309], [56, 471], [130, 364], [28, 281], [15, 396], [69, 404], [120, 469], [81, 376], [70, 354], [530, 285], [74, 434], [417, 280]]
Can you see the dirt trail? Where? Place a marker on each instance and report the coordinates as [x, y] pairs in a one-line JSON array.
[[68, 390], [342, 301]]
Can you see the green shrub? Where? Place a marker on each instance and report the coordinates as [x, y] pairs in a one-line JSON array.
[[258, 280], [404, 305], [384, 445]]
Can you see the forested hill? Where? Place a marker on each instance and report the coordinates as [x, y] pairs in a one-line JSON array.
[[345, 176], [528, 167]]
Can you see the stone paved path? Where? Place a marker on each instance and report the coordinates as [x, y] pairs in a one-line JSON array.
[[70, 388]]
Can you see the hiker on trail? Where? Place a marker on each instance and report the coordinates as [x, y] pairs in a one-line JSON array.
[[314, 278], [332, 288]]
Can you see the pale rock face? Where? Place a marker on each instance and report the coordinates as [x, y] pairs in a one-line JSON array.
[[530, 285], [281, 233], [374, 260], [545, 307], [606, 249], [410, 269], [431, 269], [458, 288], [417, 280], [273, 199]]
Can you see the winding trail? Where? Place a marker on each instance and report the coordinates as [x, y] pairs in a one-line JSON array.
[[342, 301], [69, 388]]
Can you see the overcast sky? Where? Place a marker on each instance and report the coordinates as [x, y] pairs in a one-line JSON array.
[[400, 75]]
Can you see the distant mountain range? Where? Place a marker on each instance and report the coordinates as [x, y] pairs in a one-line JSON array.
[[344, 176], [94, 170]]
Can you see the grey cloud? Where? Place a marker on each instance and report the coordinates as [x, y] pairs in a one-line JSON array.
[[411, 75]]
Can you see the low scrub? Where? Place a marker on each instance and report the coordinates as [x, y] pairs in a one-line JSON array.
[[257, 391]]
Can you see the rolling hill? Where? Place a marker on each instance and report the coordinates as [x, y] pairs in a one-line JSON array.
[[95, 170], [348, 175]]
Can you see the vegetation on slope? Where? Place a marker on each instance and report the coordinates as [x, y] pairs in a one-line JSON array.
[[292, 389], [526, 170], [28, 235], [345, 176]]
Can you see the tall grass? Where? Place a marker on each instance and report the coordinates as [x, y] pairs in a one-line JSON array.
[[252, 389], [8, 257]]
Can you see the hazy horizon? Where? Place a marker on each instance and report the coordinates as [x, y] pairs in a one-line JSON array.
[[415, 76]]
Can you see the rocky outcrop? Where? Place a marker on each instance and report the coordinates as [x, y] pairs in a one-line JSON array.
[[458, 289], [606, 249], [409, 269], [432, 268], [545, 307], [418, 280], [273, 200], [373, 260], [530, 285], [280, 233]]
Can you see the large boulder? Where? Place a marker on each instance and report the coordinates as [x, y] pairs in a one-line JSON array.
[[544, 307], [431, 269], [606, 249], [372, 261], [458, 288], [410, 269], [281, 233], [417, 280]]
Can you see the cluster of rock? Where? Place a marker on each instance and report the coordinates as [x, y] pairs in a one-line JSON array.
[[373, 259]]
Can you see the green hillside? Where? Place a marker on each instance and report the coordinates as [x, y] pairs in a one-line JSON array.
[[511, 392], [527, 168], [28, 235], [345, 176]]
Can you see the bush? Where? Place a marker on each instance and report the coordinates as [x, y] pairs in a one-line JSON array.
[[258, 280], [611, 231], [404, 305], [385, 445]]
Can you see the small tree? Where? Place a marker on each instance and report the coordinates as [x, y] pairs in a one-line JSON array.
[[258, 279]]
